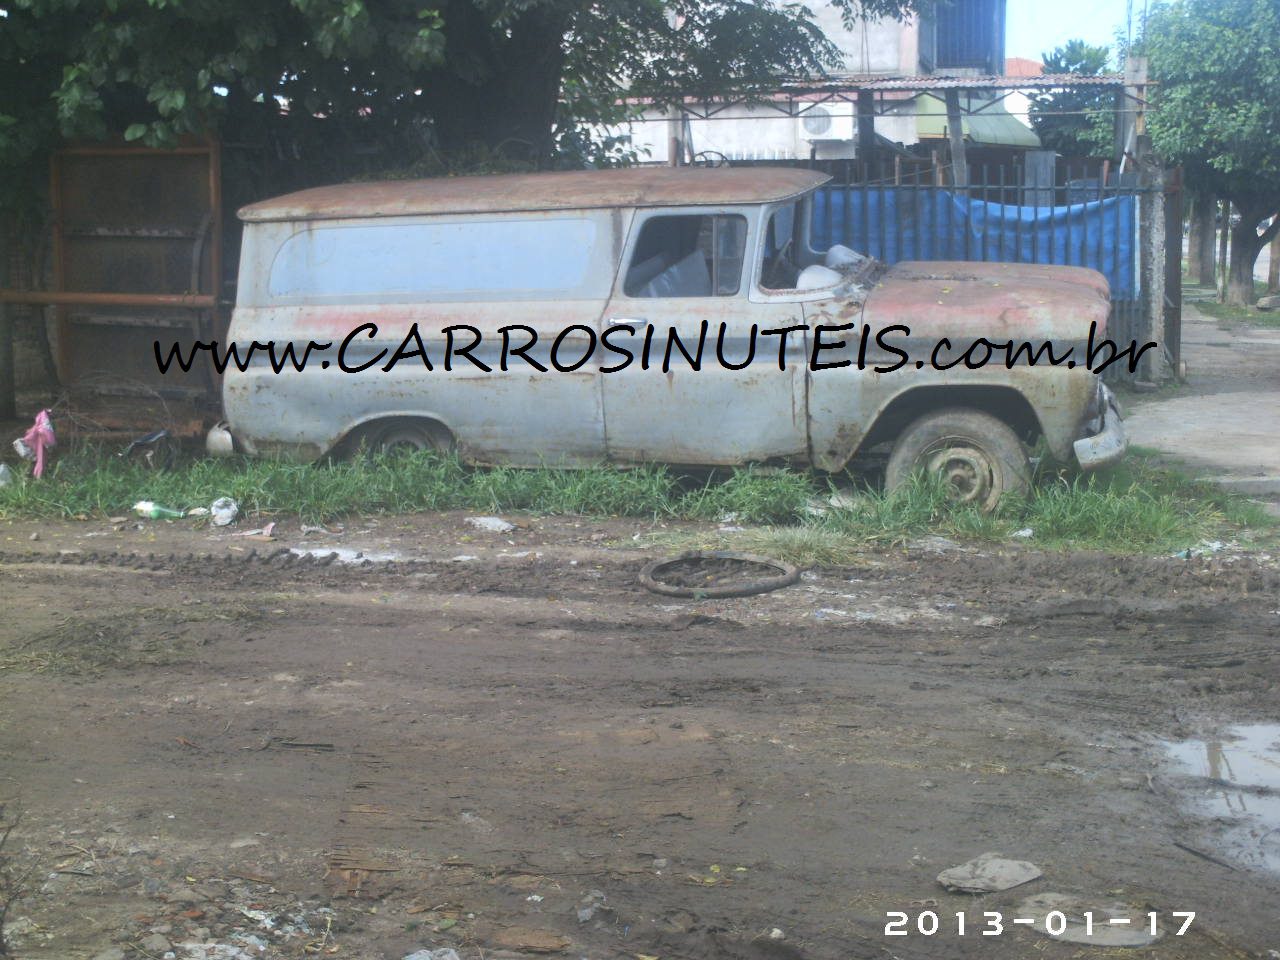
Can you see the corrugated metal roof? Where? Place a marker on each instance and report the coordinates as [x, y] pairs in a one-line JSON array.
[[936, 82], [580, 190], [993, 125]]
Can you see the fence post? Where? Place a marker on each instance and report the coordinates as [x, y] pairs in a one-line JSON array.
[[867, 132], [1040, 177], [1151, 261], [955, 131]]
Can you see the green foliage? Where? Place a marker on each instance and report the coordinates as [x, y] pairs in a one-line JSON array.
[[1217, 106], [1138, 507], [1216, 110], [1075, 123], [321, 90]]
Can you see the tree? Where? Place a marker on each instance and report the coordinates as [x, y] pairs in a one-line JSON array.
[[396, 77], [316, 91], [1077, 122], [1216, 110]]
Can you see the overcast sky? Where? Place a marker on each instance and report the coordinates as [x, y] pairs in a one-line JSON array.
[[1037, 26]]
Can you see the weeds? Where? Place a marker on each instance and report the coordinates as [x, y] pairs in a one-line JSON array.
[[1139, 506], [12, 878], [85, 646], [1204, 299]]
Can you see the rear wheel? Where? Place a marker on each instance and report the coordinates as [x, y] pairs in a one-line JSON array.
[[409, 436], [978, 457]]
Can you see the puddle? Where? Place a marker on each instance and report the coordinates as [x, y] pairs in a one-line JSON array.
[[345, 554], [1235, 779]]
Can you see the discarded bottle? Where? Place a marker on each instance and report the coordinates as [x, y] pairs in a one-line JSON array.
[[6, 475], [153, 511]]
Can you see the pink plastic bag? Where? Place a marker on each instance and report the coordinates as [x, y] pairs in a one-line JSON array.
[[36, 440]]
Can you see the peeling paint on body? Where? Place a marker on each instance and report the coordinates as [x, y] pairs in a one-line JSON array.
[[709, 415]]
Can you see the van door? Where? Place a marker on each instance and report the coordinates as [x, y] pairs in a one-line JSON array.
[[689, 274]]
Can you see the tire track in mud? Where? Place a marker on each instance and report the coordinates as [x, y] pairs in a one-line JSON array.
[[261, 569]]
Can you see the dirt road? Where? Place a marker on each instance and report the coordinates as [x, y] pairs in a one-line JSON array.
[[523, 753]]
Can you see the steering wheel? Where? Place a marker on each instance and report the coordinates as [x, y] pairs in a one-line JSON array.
[[775, 265]]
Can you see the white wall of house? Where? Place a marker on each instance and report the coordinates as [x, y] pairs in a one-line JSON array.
[[882, 47], [762, 133], [875, 47]]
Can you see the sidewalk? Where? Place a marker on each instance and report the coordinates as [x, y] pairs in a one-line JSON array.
[[1224, 423]]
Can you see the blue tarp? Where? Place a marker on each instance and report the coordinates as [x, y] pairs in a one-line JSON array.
[[894, 224]]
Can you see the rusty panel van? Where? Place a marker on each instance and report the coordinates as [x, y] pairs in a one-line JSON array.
[[647, 315]]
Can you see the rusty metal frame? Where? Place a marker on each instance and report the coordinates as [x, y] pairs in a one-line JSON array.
[[209, 239]]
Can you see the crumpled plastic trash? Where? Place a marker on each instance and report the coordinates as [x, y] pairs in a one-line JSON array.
[[1203, 549], [491, 524], [224, 511], [156, 450], [32, 444]]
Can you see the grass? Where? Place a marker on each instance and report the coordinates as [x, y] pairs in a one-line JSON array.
[[1226, 312], [1140, 506]]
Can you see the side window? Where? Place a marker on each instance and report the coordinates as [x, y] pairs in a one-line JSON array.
[[462, 259], [778, 268], [688, 256]]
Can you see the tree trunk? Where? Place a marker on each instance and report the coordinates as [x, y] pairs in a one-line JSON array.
[[501, 90], [1246, 244], [1273, 274], [1224, 214], [1200, 240], [1245, 247], [1244, 253]]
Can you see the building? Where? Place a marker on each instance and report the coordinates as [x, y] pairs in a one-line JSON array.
[[961, 38]]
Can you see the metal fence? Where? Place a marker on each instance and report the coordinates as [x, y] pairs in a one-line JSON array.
[[896, 222], [1088, 217]]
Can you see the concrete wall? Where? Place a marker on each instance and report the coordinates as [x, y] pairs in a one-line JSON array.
[[880, 46]]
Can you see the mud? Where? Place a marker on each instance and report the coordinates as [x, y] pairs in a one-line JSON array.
[[204, 733]]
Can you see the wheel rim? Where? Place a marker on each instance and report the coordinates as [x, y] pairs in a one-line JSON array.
[[401, 444], [969, 473], [398, 441]]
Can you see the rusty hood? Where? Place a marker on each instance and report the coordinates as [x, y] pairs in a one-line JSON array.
[[999, 301]]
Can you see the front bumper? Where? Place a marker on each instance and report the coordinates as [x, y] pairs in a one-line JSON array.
[[1108, 444]]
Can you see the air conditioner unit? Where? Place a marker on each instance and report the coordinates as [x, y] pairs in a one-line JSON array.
[[824, 123]]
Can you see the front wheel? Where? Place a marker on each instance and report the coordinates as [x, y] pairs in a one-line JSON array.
[[978, 457]]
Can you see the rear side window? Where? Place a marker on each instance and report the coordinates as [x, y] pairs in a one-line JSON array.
[[495, 259], [688, 256]]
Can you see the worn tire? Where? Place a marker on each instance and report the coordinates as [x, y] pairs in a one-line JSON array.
[[785, 575], [980, 456], [409, 436]]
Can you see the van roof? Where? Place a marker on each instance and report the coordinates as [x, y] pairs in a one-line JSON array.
[[569, 190]]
